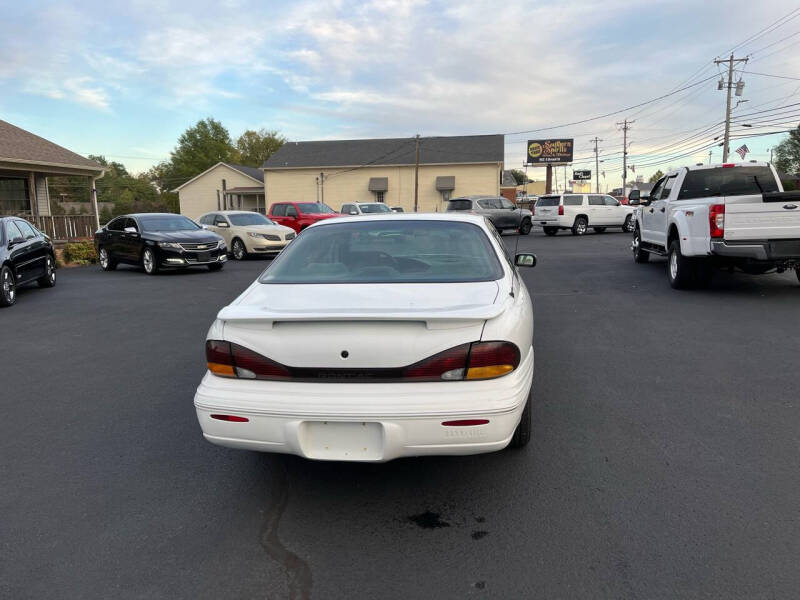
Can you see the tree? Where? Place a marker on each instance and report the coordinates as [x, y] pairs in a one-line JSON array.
[[787, 153], [254, 147], [519, 176], [656, 176], [199, 147]]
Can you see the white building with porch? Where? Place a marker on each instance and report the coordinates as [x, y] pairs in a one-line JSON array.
[[225, 186], [26, 161]]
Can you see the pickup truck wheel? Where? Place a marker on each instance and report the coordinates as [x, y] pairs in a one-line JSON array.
[[579, 226], [639, 255], [599, 229], [681, 271], [522, 434], [525, 227], [628, 226], [550, 230]]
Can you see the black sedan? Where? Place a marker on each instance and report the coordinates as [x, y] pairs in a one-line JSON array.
[[158, 241], [26, 255]]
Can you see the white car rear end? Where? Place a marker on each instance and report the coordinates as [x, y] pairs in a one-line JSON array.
[[314, 360]]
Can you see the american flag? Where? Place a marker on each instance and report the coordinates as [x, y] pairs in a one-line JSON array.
[[742, 150]]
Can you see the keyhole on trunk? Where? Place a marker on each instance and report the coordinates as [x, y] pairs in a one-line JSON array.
[[345, 354]]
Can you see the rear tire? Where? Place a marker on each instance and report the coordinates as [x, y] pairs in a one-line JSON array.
[[8, 287], [680, 269], [525, 227], [579, 226], [550, 230], [522, 434], [48, 280], [639, 255], [105, 260], [599, 229], [149, 261]]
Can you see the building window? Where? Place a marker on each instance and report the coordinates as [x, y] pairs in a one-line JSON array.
[[446, 195], [380, 196], [14, 196]]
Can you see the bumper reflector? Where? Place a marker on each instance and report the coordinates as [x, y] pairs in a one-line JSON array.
[[488, 372], [221, 370], [231, 418], [465, 422]]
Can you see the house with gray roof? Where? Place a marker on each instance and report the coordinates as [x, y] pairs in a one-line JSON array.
[[385, 170], [223, 186]]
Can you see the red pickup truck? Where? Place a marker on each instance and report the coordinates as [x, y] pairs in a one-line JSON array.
[[299, 215]]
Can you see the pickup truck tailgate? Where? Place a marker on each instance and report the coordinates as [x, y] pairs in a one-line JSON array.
[[773, 216]]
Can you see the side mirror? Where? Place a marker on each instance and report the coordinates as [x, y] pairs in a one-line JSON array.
[[130, 230], [13, 242], [525, 260], [634, 198]]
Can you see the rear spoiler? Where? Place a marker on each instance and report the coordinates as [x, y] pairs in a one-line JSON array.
[[781, 196]]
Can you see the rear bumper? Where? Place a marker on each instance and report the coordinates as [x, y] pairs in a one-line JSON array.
[[551, 221], [364, 422], [758, 250]]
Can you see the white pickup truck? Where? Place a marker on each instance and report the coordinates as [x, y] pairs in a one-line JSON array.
[[718, 216]]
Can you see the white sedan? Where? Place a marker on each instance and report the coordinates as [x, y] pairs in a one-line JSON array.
[[372, 338]]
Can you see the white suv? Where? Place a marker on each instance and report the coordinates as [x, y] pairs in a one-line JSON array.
[[365, 208], [578, 212]]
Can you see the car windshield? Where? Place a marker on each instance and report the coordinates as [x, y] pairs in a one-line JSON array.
[[241, 219], [548, 201], [731, 181], [167, 223], [374, 208], [316, 208], [387, 252]]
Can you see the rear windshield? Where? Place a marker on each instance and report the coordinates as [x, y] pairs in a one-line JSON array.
[[315, 208], [387, 252], [459, 205], [548, 201], [167, 223], [241, 219], [731, 181]]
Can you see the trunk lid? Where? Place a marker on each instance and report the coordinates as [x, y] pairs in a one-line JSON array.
[[769, 216], [377, 326]]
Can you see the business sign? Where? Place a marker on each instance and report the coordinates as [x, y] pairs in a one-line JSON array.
[[542, 152], [582, 175]]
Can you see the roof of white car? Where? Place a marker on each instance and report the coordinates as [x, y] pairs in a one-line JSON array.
[[383, 217], [751, 163]]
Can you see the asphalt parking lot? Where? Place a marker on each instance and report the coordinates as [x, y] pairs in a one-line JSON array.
[[664, 461]]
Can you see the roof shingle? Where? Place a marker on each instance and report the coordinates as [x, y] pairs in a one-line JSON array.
[[19, 145], [388, 151]]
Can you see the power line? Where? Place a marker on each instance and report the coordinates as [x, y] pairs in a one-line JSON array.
[[771, 75]]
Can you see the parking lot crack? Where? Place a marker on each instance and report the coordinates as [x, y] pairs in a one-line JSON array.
[[298, 573]]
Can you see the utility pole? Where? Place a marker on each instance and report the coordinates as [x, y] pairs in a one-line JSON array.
[[731, 61], [625, 126], [709, 157], [596, 166], [416, 173], [322, 187]]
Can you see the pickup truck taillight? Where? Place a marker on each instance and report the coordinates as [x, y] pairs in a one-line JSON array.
[[716, 220], [561, 210]]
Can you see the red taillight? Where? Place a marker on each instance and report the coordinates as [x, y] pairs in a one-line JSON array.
[[491, 359], [231, 360], [447, 365], [728, 165], [560, 210], [716, 220], [533, 210]]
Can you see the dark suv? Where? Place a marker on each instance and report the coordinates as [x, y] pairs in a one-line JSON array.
[[26, 255], [499, 210]]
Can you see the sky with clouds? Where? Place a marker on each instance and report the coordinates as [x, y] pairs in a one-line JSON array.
[[125, 79]]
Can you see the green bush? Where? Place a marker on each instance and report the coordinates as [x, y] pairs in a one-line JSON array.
[[81, 253]]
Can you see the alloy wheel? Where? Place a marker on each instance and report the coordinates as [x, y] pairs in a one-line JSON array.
[[103, 258], [238, 250], [148, 261], [673, 265], [9, 291], [51, 272]]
